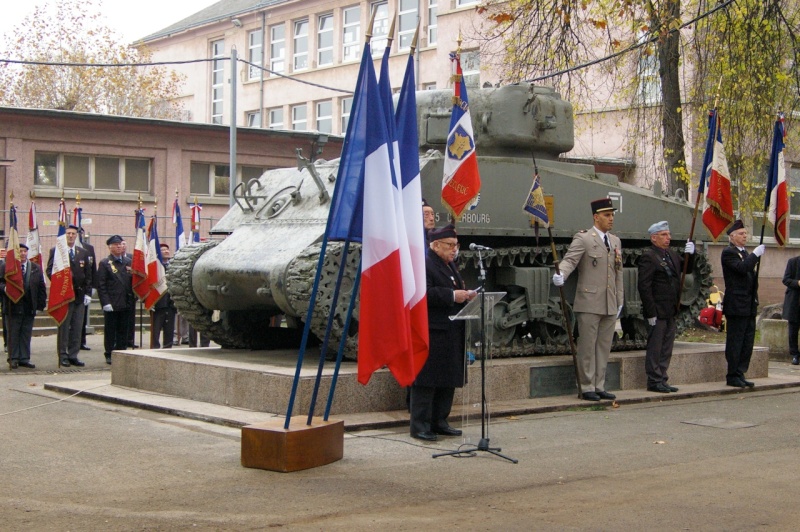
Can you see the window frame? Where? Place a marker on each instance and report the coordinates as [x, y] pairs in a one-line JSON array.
[[300, 40], [321, 33], [351, 49], [296, 121], [327, 118], [91, 172], [217, 94], [255, 54], [277, 44]]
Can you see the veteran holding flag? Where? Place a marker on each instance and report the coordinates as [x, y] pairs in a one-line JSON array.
[[597, 256]]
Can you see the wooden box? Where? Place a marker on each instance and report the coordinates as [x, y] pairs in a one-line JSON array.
[[269, 446]]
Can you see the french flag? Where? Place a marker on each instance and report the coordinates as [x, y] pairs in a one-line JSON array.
[[777, 196], [156, 275], [180, 235], [61, 292], [34, 245], [718, 211], [139, 263]]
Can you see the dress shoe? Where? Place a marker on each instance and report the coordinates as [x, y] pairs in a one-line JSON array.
[[76, 362], [660, 388], [737, 383], [64, 363], [427, 436], [590, 396], [85, 347], [108, 359], [447, 431], [27, 365], [795, 360], [602, 394], [748, 383], [13, 364], [670, 388]]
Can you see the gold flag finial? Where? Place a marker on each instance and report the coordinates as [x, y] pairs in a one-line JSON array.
[[390, 37], [415, 40], [368, 35], [77, 200]]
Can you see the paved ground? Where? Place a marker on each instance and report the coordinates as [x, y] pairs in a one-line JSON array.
[[723, 462]]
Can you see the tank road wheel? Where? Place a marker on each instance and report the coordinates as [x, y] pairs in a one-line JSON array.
[[235, 329], [696, 289], [502, 336], [300, 281]]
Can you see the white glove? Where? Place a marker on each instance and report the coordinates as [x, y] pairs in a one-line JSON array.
[[689, 249], [619, 311], [558, 279], [87, 300], [759, 250], [651, 321], [108, 308]]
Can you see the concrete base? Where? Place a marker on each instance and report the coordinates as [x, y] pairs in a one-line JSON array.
[[261, 381], [270, 446], [775, 336]]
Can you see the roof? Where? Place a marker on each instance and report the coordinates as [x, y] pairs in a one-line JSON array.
[[224, 9]]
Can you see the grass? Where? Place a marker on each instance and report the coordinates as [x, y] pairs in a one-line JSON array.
[[697, 334]]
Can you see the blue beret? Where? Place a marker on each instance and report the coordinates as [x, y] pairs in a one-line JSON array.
[[658, 227], [115, 239]]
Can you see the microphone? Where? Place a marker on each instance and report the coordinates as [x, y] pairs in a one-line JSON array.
[[478, 247]]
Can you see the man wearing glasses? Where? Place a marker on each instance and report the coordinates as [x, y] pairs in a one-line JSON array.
[[443, 372], [660, 270]]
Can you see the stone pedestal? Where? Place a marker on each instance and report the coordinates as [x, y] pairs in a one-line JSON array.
[[775, 336], [270, 446]]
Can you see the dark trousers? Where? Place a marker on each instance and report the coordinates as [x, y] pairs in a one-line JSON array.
[[85, 324], [794, 328], [162, 320], [659, 351], [430, 407], [205, 341], [115, 333], [20, 328], [739, 344]]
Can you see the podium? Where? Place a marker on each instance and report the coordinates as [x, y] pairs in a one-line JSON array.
[[479, 317]]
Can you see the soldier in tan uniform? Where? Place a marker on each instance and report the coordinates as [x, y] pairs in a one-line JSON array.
[[596, 255]]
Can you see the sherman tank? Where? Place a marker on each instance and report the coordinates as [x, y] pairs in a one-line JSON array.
[[265, 253]]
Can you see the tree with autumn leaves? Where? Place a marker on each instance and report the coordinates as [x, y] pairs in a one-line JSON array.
[[665, 63], [49, 54]]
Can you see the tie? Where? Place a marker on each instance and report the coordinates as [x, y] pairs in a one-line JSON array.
[[605, 239], [71, 254], [23, 270], [669, 260]]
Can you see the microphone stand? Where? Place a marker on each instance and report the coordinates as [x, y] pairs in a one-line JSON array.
[[483, 444]]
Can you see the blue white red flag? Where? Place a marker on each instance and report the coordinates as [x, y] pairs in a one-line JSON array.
[[61, 292], [15, 287], [715, 181], [195, 236], [777, 196], [139, 262], [461, 184], [364, 208], [156, 275], [408, 155], [180, 235], [34, 245]]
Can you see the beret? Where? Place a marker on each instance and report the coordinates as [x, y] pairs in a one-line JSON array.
[[73, 226], [738, 224], [448, 231], [23, 245], [658, 227], [115, 239]]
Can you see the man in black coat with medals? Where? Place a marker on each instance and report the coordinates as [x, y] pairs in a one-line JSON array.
[[115, 291], [20, 315], [791, 305], [660, 270], [443, 372], [740, 303]]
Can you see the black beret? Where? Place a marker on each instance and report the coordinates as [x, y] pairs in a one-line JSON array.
[[602, 205], [23, 245], [738, 224], [425, 203], [71, 226], [163, 245], [448, 231], [115, 239]]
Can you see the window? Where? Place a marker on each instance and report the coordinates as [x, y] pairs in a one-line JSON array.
[[429, 87], [407, 22], [301, 45], [471, 68], [211, 179], [276, 118], [325, 40], [462, 3], [217, 81], [433, 10], [649, 91], [347, 105], [351, 34], [254, 54], [277, 49], [299, 117], [380, 30], [793, 181], [91, 172], [325, 116], [253, 119]]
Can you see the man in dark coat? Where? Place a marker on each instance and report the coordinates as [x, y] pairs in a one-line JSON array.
[[69, 332], [162, 316], [660, 270], [115, 291], [740, 303], [791, 305], [93, 261], [443, 372], [20, 315]]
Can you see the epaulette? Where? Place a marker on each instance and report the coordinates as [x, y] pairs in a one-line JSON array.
[[583, 231]]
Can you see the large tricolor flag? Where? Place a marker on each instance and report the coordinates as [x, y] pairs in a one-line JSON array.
[[777, 196], [61, 291], [408, 155], [462, 182], [156, 275], [15, 287], [715, 181], [34, 245], [364, 209], [139, 263], [180, 235]]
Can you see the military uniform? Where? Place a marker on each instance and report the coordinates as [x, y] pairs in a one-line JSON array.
[[114, 288]]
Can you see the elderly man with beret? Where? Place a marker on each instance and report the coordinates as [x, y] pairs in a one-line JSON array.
[[115, 291], [20, 315], [71, 330], [596, 255], [740, 303], [659, 289]]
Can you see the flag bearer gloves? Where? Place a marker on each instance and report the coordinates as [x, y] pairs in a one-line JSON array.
[[652, 321], [558, 279], [108, 308], [87, 300], [689, 249], [759, 250]]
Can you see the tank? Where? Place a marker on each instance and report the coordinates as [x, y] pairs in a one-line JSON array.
[[262, 262]]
